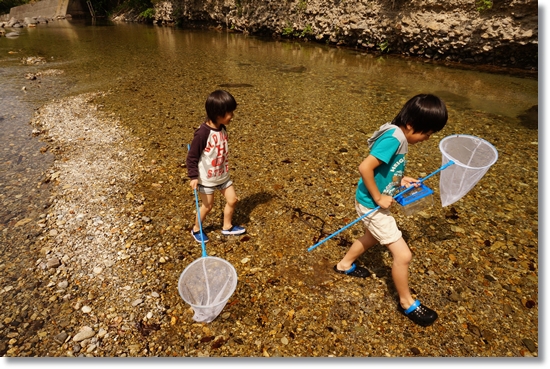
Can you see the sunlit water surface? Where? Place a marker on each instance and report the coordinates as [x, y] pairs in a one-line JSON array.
[[160, 78]]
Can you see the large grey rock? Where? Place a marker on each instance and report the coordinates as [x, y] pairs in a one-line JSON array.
[[11, 22], [29, 20]]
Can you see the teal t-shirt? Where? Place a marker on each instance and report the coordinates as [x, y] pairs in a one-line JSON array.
[[390, 147]]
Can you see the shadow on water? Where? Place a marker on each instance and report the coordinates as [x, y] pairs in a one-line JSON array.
[[530, 117], [246, 206], [455, 100]]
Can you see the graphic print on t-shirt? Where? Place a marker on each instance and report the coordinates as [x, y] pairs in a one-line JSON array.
[[216, 149]]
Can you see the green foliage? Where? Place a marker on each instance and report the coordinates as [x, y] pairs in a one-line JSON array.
[[239, 5], [138, 5], [302, 5], [144, 7], [308, 30], [384, 46], [288, 30], [103, 7], [6, 5], [148, 13], [482, 5]]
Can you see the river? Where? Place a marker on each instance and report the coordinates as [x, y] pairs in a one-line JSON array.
[[304, 113]]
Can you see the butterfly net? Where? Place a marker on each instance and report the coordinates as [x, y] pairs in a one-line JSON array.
[[472, 157], [207, 284]]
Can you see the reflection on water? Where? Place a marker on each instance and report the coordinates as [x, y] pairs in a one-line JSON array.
[[98, 55], [160, 77]]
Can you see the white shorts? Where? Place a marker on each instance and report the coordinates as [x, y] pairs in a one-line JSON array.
[[211, 190], [381, 224]]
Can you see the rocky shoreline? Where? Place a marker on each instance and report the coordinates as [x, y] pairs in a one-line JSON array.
[[108, 253], [503, 34], [485, 32]]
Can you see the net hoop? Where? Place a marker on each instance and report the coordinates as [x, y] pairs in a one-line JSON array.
[[470, 158], [220, 296], [457, 161]]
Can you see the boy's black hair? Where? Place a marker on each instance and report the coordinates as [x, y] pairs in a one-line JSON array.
[[424, 113], [218, 104]]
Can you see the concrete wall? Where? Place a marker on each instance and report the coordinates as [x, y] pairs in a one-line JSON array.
[[44, 8]]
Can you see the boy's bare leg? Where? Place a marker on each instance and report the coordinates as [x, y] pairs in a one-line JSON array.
[[207, 201], [358, 247], [231, 201], [402, 257]]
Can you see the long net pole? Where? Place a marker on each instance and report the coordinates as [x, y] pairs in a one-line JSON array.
[[449, 163]]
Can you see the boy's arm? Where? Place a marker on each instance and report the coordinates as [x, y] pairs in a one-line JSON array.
[[366, 169], [192, 162], [200, 138]]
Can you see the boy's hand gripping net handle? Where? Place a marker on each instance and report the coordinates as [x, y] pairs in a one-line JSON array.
[[378, 207], [198, 216]]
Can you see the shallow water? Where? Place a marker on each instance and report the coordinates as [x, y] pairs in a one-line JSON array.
[[299, 133]]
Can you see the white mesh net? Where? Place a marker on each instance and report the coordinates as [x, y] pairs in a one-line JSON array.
[[472, 157], [206, 284]]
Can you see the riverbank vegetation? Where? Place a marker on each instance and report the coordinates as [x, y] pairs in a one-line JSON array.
[[101, 7], [6, 5], [137, 5]]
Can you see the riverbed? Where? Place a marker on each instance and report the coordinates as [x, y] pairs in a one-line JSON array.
[[97, 207]]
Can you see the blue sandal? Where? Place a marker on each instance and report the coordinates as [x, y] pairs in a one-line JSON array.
[[354, 271]]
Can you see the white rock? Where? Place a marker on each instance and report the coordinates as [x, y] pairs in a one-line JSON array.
[[85, 332], [102, 332]]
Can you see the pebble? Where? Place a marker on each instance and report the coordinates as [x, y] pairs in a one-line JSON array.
[[529, 344], [53, 263], [455, 297], [85, 333], [60, 337]]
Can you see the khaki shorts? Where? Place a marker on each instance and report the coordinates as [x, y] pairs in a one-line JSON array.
[[380, 223]]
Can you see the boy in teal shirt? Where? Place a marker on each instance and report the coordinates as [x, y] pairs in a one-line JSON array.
[[382, 173]]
